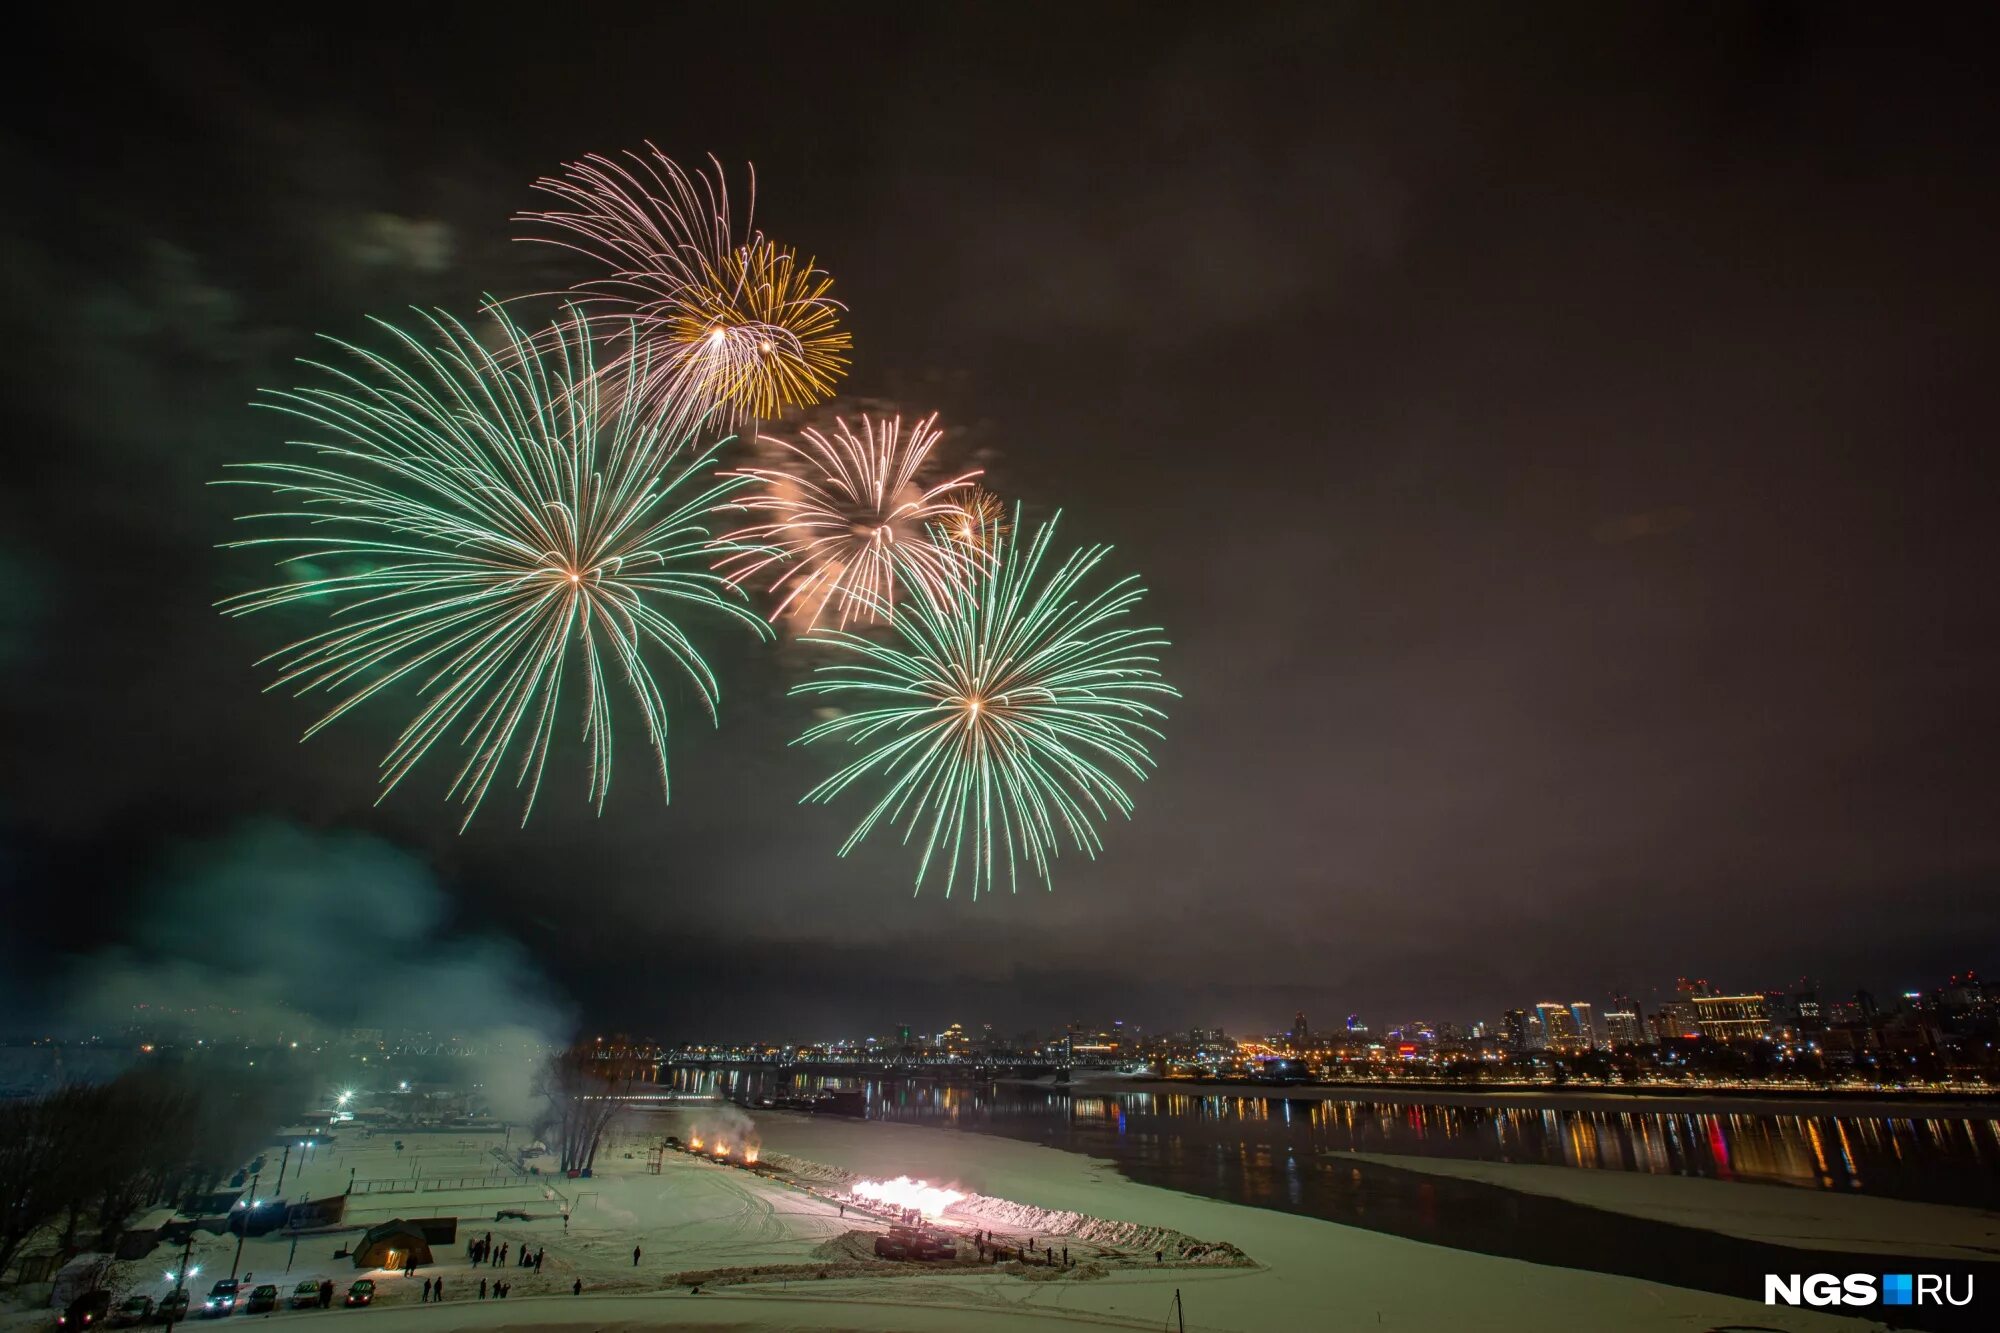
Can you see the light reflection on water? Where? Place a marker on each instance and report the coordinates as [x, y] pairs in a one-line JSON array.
[[1949, 1159]]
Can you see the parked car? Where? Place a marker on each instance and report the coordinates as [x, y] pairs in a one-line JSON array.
[[362, 1292], [131, 1312], [86, 1311], [264, 1298], [172, 1307], [221, 1299], [306, 1295]]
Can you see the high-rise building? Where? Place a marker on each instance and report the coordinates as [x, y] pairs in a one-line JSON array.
[[1559, 1032], [1732, 1017], [1355, 1027], [1301, 1034], [1514, 1029], [1586, 1031], [1625, 1023], [1622, 1027]]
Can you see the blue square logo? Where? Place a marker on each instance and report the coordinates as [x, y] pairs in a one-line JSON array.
[[1896, 1289]]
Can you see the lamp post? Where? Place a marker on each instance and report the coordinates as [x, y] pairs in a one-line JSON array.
[[244, 1232], [181, 1274]]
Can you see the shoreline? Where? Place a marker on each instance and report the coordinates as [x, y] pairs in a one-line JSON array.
[[1717, 1101]]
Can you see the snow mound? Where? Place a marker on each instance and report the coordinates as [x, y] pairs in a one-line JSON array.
[[847, 1245], [1021, 1219]]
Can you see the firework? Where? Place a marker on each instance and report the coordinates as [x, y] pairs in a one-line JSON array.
[[482, 517], [1005, 714], [977, 522], [847, 518], [737, 319]]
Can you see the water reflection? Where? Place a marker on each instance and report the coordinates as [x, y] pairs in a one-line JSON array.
[[1947, 1159]]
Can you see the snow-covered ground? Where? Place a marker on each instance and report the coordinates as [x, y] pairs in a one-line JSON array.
[[1780, 1214], [695, 1219]]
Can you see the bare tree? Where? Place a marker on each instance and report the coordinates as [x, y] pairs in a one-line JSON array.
[[93, 1155], [42, 1140], [584, 1090]]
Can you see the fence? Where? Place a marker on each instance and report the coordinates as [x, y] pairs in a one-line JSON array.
[[492, 1180]]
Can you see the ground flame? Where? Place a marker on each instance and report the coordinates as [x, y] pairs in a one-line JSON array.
[[902, 1192]]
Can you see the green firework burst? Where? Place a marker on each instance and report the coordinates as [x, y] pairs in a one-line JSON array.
[[1004, 713], [482, 516]]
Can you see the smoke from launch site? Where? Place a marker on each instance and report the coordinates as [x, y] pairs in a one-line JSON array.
[[277, 933]]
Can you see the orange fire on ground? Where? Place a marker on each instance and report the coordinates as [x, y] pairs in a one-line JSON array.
[[902, 1192], [721, 1149], [750, 1155], [694, 1142]]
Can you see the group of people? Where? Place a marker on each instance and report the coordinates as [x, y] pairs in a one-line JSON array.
[[500, 1289], [1053, 1257], [480, 1251], [433, 1289]]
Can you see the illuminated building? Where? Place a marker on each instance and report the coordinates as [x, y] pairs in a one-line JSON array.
[[1732, 1017], [1622, 1028], [1559, 1030], [1514, 1029], [1586, 1031]]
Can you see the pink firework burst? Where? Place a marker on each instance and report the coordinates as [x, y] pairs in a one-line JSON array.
[[837, 518]]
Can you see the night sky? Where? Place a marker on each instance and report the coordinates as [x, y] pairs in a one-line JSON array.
[[1558, 445]]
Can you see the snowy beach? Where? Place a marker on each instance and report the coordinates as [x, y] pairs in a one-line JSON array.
[[771, 1249]]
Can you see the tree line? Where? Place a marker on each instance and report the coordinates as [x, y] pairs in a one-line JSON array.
[[82, 1159]]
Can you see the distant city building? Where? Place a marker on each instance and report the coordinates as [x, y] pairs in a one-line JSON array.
[[1559, 1032], [1675, 1019], [1732, 1017], [1622, 1028], [1586, 1030], [1514, 1029], [1301, 1033]]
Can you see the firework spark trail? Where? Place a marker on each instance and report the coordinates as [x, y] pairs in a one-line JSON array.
[[849, 518], [489, 510], [739, 321], [978, 521], [1005, 717]]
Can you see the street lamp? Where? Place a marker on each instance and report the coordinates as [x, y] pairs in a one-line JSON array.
[[245, 1232]]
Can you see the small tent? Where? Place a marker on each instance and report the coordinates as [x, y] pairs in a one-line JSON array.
[[398, 1244]]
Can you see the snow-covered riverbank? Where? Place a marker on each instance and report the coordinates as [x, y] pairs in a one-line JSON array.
[[759, 1246]]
